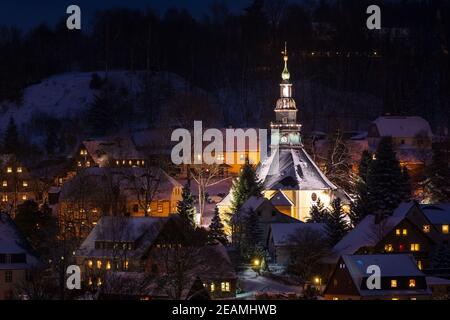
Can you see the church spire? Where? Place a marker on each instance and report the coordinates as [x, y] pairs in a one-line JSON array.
[[285, 75]]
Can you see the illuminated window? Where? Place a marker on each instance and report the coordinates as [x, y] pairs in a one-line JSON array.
[[405, 232], [412, 283], [419, 264], [160, 208], [445, 228], [5, 183], [5, 198], [25, 183], [88, 163], [395, 299], [426, 228], [9, 169], [225, 286], [99, 264], [394, 283], [389, 247], [397, 232], [90, 264], [335, 298], [19, 169], [213, 287], [24, 197], [125, 265], [415, 247], [220, 157], [130, 162], [99, 282], [108, 265], [79, 163], [90, 281]]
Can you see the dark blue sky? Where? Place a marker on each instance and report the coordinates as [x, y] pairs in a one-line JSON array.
[[28, 13]]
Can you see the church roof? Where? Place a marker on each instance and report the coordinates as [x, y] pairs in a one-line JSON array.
[[293, 169]]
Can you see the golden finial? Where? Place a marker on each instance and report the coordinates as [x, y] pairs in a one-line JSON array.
[[285, 75]]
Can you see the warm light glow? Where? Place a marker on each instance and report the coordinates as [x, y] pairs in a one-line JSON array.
[[25, 183], [99, 264], [212, 287], [415, 247], [90, 264], [256, 262], [405, 232], [397, 232], [317, 280], [393, 283], [419, 265], [389, 248], [225, 286], [125, 264], [9, 170], [108, 265], [426, 228], [5, 183], [335, 298], [445, 228], [19, 169], [5, 198], [412, 283], [24, 197]]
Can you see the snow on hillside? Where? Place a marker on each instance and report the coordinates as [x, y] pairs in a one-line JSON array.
[[66, 95]]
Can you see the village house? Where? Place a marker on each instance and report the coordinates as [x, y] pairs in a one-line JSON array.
[[439, 217], [95, 192], [407, 230], [400, 279], [280, 239], [17, 259], [119, 151], [17, 185]]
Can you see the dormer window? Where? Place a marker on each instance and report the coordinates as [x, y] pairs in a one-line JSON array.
[[426, 228]]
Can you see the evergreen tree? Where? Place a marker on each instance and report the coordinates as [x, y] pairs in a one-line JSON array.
[[437, 186], [245, 186], [11, 140], [384, 179], [186, 207], [252, 234], [405, 185], [216, 230], [441, 258], [318, 213], [360, 207], [336, 226]]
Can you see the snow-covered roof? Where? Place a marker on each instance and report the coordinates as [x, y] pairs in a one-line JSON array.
[[391, 265], [282, 232], [366, 234], [436, 281], [252, 204], [280, 199], [13, 242], [142, 231], [437, 213], [226, 202], [293, 169], [402, 126]]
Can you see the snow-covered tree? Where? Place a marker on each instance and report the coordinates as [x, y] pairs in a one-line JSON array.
[[336, 226], [384, 179], [405, 185], [245, 186], [437, 186], [318, 213], [186, 207], [216, 231]]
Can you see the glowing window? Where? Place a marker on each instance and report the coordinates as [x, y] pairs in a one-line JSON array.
[[79, 163], [4, 198], [389, 247], [24, 197], [5, 183], [213, 287], [99, 264], [25, 183], [99, 282], [225, 286], [394, 283], [405, 232], [445, 228], [415, 247], [419, 264], [88, 163], [19, 169], [108, 265], [90, 264], [9, 169], [125, 265], [412, 283], [335, 298], [160, 208], [397, 232], [426, 228]]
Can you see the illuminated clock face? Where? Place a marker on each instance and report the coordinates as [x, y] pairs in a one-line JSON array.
[[284, 139]]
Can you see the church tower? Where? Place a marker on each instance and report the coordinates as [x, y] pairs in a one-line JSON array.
[[285, 131]]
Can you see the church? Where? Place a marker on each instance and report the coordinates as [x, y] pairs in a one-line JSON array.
[[291, 179]]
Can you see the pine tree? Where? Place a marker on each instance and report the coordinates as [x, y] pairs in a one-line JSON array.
[[252, 234], [186, 207], [405, 185], [384, 179], [437, 187], [11, 141], [336, 226], [441, 258], [216, 230], [245, 186], [318, 213], [360, 207]]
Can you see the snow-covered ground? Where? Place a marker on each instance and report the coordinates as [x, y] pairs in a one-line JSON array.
[[252, 283]]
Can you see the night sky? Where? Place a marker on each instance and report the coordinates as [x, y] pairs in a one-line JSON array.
[[29, 13]]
